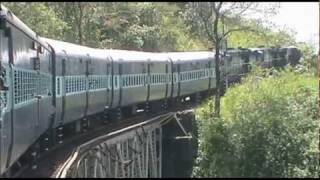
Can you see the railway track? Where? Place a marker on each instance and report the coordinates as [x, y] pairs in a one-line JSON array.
[[51, 161]]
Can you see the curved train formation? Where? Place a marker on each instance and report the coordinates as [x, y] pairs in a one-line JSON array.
[[48, 85]]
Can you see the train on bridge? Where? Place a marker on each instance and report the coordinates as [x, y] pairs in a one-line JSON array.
[[48, 86]]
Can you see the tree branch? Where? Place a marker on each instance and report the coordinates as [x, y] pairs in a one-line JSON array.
[[219, 6], [241, 29]]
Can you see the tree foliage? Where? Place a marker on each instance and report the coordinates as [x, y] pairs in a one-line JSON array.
[[148, 26], [216, 21], [155, 26], [40, 18], [268, 128]]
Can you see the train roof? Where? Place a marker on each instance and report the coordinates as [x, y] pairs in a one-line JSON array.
[[126, 55], [135, 56], [190, 56], [70, 48], [16, 22]]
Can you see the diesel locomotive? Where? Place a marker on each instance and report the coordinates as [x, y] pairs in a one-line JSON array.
[[47, 85]]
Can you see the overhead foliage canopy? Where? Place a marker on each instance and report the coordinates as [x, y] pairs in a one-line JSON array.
[[148, 26]]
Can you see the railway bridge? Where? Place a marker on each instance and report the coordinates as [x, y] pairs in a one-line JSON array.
[[141, 150], [163, 145]]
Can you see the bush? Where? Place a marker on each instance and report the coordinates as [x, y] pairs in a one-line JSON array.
[[268, 128]]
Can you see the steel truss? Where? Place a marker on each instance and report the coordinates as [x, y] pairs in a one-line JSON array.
[[128, 153]]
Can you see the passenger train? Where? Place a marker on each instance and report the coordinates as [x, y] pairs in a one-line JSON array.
[[48, 85]]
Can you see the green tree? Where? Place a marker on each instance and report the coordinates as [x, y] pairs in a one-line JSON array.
[[41, 19], [267, 36], [209, 19], [83, 21], [309, 57]]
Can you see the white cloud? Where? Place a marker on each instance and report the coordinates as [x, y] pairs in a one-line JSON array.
[[303, 17]]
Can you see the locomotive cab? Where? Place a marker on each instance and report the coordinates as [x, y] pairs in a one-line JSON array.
[[293, 55]]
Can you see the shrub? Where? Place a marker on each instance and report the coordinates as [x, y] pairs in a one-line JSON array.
[[268, 128]]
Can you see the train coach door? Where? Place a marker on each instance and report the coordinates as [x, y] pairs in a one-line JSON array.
[[89, 70], [5, 107], [45, 109], [109, 85]]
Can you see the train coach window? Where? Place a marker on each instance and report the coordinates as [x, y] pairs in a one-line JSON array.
[[115, 82], [127, 80], [139, 79], [135, 80], [130, 80], [123, 81]]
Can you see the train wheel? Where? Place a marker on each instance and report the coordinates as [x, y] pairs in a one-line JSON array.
[[119, 114], [147, 107], [35, 152], [105, 117], [84, 124]]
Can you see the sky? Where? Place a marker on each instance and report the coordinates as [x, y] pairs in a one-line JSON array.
[[302, 17]]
